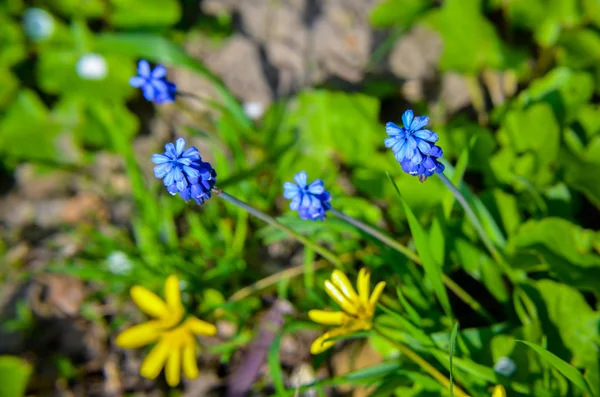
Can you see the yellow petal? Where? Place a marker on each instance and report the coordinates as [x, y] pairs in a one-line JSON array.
[[155, 360], [339, 297], [499, 391], [327, 318], [320, 345], [323, 343], [200, 327], [139, 335], [190, 367], [341, 281], [173, 294], [363, 284], [173, 368], [148, 302], [376, 294]]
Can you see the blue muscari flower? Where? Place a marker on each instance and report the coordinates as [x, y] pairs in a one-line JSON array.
[[413, 146], [154, 84], [184, 172], [311, 201]]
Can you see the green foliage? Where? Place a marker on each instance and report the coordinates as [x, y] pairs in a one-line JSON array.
[[527, 166], [14, 374]]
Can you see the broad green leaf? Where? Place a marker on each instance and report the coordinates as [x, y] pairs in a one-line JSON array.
[[144, 13], [563, 367], [14, 374], [433, 271], [565, 248], [471, 45], [403, 13]]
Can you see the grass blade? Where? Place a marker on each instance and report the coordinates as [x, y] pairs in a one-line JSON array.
[[563, 367], [433, 272], [452, 348]]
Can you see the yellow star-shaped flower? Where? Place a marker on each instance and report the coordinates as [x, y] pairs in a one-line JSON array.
[[358, 308], [175, 340], [499, 391]]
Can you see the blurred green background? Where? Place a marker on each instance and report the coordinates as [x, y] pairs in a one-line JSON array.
[[511, 86]]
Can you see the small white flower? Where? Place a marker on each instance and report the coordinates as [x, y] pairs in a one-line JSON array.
[[91, 67], [118, 263], [38, 24], [254, 110], [505, 366]]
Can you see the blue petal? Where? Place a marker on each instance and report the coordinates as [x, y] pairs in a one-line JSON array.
[[412, 143], [389, 142], [192, 153], [148, 92], [144, 68], [424, 146], [392, 129], [161, 87], [170, 149], [169, 178], [161, 170], [301, 179], [316, 187], [160, 158], [429, 164], [290, 190], [427, 135], [182, 184], [417, 158], [439, 167], [137, 81], [177, 174], [159, 72], [179, 146], [191, 172], [419, 122], [295, 204], [407, 118], [306, 199], [436, 151]]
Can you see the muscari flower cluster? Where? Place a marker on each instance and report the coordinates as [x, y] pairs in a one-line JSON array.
[[414, 146], [183, 171], [153, 82], [310, 200], [175, 337]]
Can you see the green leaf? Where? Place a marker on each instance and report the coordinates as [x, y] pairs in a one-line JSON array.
[[451, 354], [14, 374], [145, 13], [401, 13], [565, 248], [563, 367], [471, 45], [433, 271], [273, 361], [378, 370]]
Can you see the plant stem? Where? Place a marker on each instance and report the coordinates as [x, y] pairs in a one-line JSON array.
[[477, 224], [270, 280], [457, 289], [324, 252], [430, 369]]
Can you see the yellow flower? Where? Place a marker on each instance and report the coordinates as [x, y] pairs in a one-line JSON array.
[[499, 391], [176, 342], [358, 308]]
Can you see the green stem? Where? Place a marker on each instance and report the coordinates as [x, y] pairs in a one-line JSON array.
[[425, 366], [457, 289], [476, 224], [324, 252]]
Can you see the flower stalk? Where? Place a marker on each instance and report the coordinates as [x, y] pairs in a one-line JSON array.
[[455, 288], [477, 225]]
